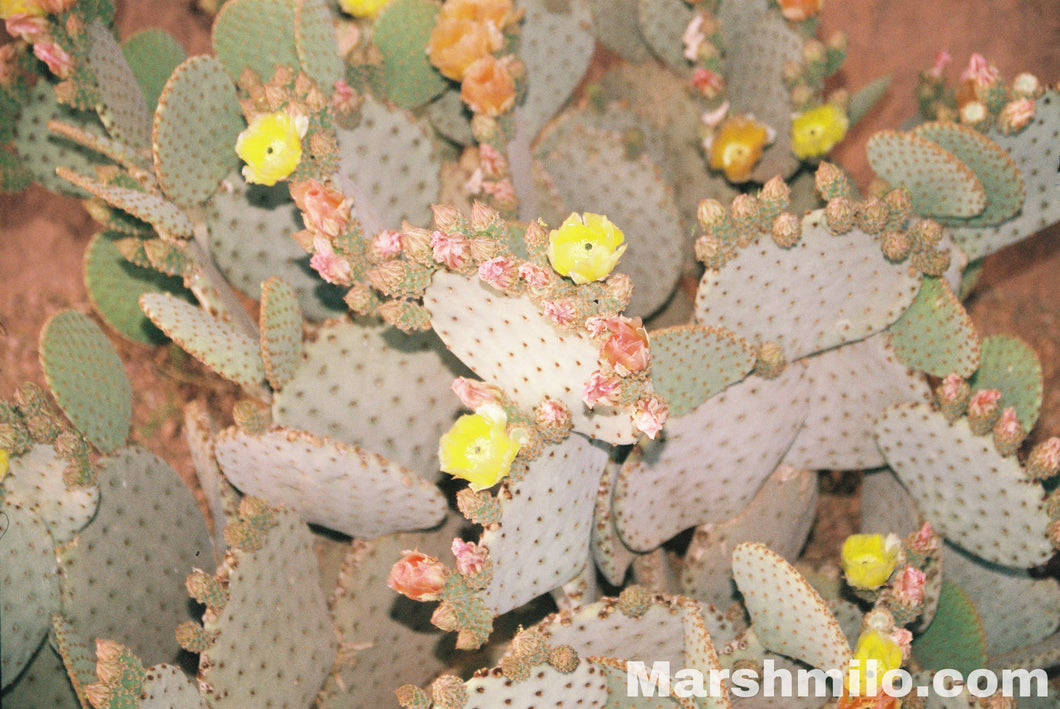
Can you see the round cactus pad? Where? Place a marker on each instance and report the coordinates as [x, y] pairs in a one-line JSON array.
[[35, 481], [121, 104], [1009, 365], [955, 638], [401, 32], [256, 35], [691, 363], [935, 334], [87, 378]]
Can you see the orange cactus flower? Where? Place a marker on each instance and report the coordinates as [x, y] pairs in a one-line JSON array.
[[455, 44], [488, 87], [737, 147]]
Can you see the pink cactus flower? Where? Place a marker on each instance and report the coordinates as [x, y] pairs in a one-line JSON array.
[[324, 210], [502, 190], [551, 413], [450, 249], [473, 393], [984, 403], [952, 387], [649, 416], [499, 272], [331, 267], [709, 83], [925, 541], [535, 276], [903, 638], [627, 348], [387, 243], [980, 72], [694, 37], [596, 325], [470, 558], [942, 59], [601, 389], [25, 26], [560, 312], [909, 587], [1015, 115], [59, 62], [344, 99], [491, 161], [418, 576]]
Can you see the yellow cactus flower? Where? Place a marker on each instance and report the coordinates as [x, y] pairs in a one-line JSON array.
[[875, 654], [362, 8], [869, 559], [816, 131], [585, 247], [478, 448], [9, 8], [271, 146], [736, 147], [4, 466]]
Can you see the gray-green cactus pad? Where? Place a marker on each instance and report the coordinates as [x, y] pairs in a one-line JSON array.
[[510, 344], [256, 35], [611, 555], [42, 684], [615, 26], [401, 32], [199, 432], [78, 657], [121, 104], [708, 464], [280, 322], [971, 494], [228, 351], [662, 25], [87, 378], [788, 616], [376, 388], [584, 688], [333, 484], [314, 36], [893, 509], [35, 481], [1040, 654], [196, 125], [851, 385], [115, 285], [553, 506], [29, 586], [779, 516], [1009, 365], [168, 687], [1038, 169], [152, 54], [691, 363], [124, 578], [821, 308], [935, 334], [150, 207]]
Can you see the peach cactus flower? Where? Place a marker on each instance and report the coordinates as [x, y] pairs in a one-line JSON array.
[[909, 586], [324, 210], [59, 62], [737, 147], [498, 12], [799, 10], [456, 44], [418, 576], [627, 347], [470, 558], [488, 87]]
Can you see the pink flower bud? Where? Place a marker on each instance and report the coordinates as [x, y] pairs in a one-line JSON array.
[[418, 576], [474, 394], [499, 272], [552, 413], [560, 312], [387, 243], [925, 541], [601, 389], [470, 559], [942, 58], [446, 217], [450, 249], [535, 276], [59, 62], [980, 72], [909, 587]]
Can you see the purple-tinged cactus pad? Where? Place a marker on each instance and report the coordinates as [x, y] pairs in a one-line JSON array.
[[851, 385], [811, 306], [935, 334], [546, 521], [779, 516], [691, 363], [510, 344], [329, 483], [707, 465], [35, 481], [787, 615], [977, 499]]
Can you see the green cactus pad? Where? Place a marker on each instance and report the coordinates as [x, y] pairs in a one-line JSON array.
[[272, 588], [955, 639], [136, 161], [1038, 169], [388, 166], [553, 506], [662, 25], [375, 388], [35, 481], [87, 378], [1009, 365], [195, 130], [250, 239], [546, 687], [940, 184], [994, 167], [199, 432], [821, 309], [401, 32], [779, 516], [281, 331], [29, 586], [132, 560], [329, 483], [935, 334], [511, 345], [449, 117], [165, 216], [153, 55], [115, 285], [314, 36], [256, 34], [852, 384], [168, 687], [615, 26], [971, 494], [708, 464], [219, 345], [121, 104], [612, 557], [42, 684], [691, 363], [788, 616], [867, 97], [591, 172], [1045, 653], [893, 510], [78, 657]]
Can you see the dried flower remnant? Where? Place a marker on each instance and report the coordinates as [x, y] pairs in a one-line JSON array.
[[324, 210], [586, 247], [869, 559], [737, 146], [470, 558], [649, 416], [331, 267], [478, 447], [816, 131], [418, 576], [271, 146], [626, 348]]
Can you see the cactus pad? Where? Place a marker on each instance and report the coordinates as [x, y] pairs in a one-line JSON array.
[[779, 516], [1009, 365], [852, 384], [510, 344], [612, 557], [546, 687], [401, 32], [35, 481], [199, 432], [275, 586], [281, 331], [708, 464], [822, 310], [219, 345], [121, 104], [162, 214], [314, 36], [615, 26], [788, 616], [329, 483], [553, 505], [935, 334], [153, 55], [955, 638], [167, 687], [244, 28], [87, 378], [964, 487], [29, 586], [662, 24], [43, 684], [940, 184], [195, 130], [39, 151], [691, 363], [894, 510]]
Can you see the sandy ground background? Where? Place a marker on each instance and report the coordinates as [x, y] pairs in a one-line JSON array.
[[42, 236]]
